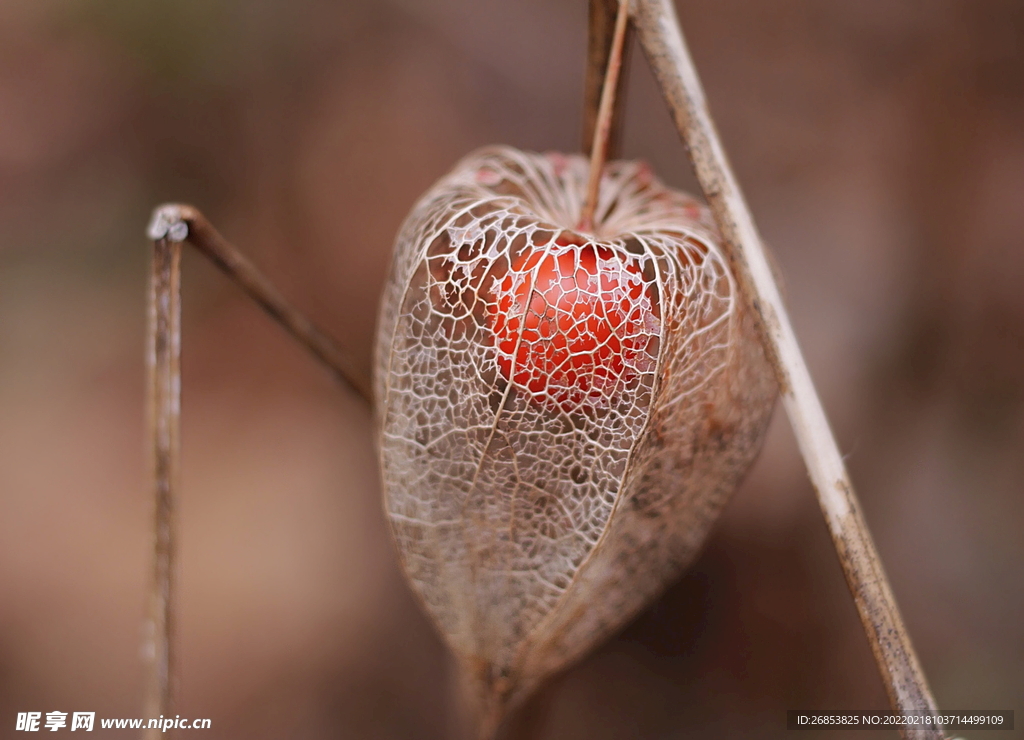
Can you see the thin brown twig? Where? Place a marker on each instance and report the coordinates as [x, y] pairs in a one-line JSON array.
[[663, 42], [599, 149], [600, 31], [163, 363], [185, 223]]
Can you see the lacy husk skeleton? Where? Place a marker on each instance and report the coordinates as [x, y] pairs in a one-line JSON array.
[[533, 529]]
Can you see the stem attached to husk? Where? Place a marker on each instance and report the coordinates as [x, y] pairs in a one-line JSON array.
[[666, 49], [605, 113], [490, 722], [600, 38]]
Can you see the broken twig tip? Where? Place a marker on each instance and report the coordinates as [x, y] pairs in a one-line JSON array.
[[167, 223]]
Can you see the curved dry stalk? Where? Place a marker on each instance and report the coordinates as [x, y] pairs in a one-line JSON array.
[[170, 226], [179, 223], [663, 42]]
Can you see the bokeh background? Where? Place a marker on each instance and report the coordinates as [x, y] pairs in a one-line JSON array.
[[881, 145]]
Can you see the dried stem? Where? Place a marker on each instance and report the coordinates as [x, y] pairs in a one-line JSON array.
[[171, 225], [491, 722], [163, 363], [599, 149], [185, 223], [601, 30], [667, 52]]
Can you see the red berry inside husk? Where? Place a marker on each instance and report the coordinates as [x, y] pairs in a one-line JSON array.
[[572, 323]]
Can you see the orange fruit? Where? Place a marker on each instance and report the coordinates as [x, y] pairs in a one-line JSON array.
[[569, 323]]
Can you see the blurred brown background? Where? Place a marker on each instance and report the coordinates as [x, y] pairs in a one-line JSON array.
[[881, 145]]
